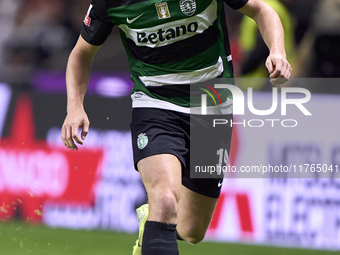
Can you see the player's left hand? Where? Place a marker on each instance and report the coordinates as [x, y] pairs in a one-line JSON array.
[[279, 69]]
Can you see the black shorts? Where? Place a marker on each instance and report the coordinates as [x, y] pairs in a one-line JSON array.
[[158, 131]]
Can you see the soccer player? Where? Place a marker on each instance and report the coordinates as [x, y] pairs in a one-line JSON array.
[[170, 45]]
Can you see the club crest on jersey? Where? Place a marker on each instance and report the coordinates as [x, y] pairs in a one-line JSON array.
[[87, 20], [142, 141], [162, 10], [188, 7]]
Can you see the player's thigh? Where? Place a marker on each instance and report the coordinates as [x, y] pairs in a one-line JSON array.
[[160, 171], [194, 215], [161, 175]]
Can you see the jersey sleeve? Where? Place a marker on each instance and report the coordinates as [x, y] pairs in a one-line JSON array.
[[97, 25], [235, 4]]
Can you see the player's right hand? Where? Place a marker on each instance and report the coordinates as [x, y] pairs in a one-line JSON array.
[[74, 120]]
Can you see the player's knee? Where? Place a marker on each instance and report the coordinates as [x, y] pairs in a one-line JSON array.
[[166, 205]]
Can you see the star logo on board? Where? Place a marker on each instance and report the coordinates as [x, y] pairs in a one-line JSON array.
[[35, 172]]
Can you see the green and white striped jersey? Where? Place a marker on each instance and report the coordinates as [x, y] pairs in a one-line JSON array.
[[170, 44]]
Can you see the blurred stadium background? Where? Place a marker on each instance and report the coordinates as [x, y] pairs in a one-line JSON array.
[[54, 201]]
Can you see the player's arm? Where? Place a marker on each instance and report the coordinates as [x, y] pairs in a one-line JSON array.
[[96, 28], [77, 78], [272, 32]]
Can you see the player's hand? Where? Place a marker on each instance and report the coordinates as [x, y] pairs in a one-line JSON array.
[[74, 120], [279, 69]]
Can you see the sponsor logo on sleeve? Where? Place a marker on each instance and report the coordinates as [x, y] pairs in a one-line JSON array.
[[87, 20], [162, 10]]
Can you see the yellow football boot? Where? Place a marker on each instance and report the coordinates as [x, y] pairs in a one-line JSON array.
[[142, 215]]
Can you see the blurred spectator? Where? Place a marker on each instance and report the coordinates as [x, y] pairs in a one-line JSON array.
[[301, 11], [8, 9], [319, 51], [318, 54], [41, 31], [39, 34], [256, 51]]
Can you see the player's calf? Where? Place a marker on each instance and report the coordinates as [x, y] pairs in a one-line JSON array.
[[192, 235]]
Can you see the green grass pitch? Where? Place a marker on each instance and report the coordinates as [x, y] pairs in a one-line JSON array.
[[18, 238]]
